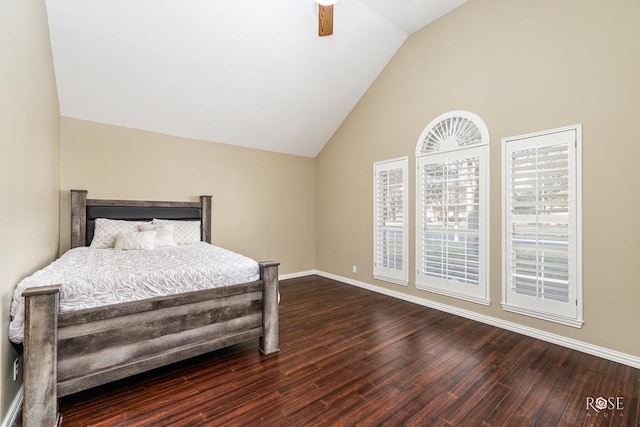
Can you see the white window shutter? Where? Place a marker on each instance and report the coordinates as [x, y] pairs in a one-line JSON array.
[[451, 220], [541, 234], [390, 221]]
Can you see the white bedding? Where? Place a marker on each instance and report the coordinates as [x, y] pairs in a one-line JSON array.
[[98, 277]]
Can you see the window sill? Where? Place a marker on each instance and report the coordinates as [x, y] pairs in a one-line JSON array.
[[391, 279], [470, 298], [575, 323]]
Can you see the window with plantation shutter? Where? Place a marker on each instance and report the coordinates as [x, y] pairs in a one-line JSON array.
[[390, 221], [541, 236], [452, 242]]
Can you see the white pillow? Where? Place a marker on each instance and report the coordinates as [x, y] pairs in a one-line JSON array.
[[164, 237], [185, 232], [136, 240], [106, 230]]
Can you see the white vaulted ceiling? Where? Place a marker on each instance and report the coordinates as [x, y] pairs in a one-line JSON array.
[[252, 73]]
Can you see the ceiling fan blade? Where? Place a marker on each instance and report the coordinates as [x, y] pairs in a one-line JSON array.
[[325, 20]]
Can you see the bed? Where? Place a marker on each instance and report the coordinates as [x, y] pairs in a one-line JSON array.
[[65, 353]]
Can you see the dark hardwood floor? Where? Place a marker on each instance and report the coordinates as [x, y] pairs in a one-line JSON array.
[[353, 357]]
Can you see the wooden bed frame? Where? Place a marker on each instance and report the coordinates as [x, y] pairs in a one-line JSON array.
[[70, 352]]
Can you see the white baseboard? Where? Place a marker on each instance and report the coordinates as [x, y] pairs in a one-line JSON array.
[[296, 275], [14, 409], [594, 350]]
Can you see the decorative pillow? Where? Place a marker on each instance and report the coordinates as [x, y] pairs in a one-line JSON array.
[[136, 240], [106, 230], [185, 232], [164, 237]]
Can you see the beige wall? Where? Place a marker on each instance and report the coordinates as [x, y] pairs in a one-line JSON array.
[[522, 66], [29, 144], [263, 202]]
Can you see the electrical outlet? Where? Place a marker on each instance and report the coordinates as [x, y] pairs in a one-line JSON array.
[[355, 268], [16, 368]]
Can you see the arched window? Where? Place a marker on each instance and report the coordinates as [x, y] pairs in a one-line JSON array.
[[452, 242]]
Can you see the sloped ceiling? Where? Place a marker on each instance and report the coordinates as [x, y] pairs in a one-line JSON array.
[[252, 73]]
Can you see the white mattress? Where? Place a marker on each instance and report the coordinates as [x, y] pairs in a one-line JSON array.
[[99, 277]]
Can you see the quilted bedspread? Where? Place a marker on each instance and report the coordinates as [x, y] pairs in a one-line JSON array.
[[99, 277]]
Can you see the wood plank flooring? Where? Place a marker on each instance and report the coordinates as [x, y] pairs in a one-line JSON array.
[[353, 357]]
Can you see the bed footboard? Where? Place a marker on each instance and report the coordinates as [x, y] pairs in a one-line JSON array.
[[70, 352], [40, 357]]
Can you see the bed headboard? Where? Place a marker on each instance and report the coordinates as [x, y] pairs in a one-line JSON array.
[[84, 212]]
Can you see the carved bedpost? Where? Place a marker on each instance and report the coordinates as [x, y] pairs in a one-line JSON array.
[[205, 202], [40, 357], [269, 339], [78, 218]]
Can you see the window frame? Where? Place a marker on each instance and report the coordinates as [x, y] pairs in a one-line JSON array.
[[567, 313], [399, 277], [449, 151]]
